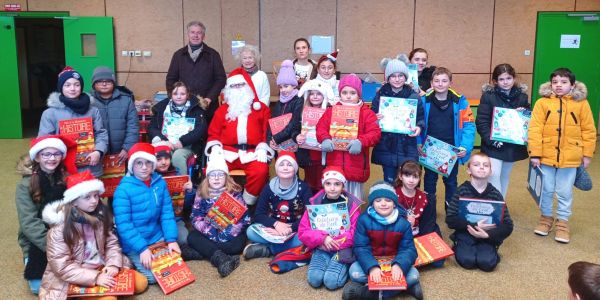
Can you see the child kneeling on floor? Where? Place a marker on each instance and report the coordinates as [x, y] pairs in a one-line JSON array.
[[81, 246], [476, 244], [383, 230]]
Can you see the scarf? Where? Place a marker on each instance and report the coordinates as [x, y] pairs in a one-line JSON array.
[[383, 220], [286, 99], [252, 70], [359, 103], [195, 51], [79, 105], [442, 105], [331, 81], [51, 190], [215, 193], [507, 95], [173, 110], [285, 194]]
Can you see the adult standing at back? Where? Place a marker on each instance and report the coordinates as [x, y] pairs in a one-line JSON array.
[[198, 66]]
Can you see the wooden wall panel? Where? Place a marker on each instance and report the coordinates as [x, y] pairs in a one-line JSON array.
[[240, 21], [514, 30], [458, 34], [143, 85], [587, 5], [371, 30], [74, 7], [469, 84], [209, 13], [22, 2], [527, 79]]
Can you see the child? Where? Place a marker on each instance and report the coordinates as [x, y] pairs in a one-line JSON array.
[[70, 103], [503, 93], [143, 210], [280, 207], [289, 102], [180, 106], [394, 149], [82, 248], [304, 67], [420, 57], [44, 170], [476, 244], [448, 118], [332, 255], [164, 167], [355, 161], [316, 94], [326, 71], [562, 137], [383, 231], [584, 281], [222, 247]]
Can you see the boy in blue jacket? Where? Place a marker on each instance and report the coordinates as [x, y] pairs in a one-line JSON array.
[[383, 230]]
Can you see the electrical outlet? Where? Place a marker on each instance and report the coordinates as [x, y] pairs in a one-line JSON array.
[[527, 52], [138, 53], [124, 53], [147, 53], [131, 53]]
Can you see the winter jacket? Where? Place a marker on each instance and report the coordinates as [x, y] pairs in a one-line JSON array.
[[459, 223], [205, 77], [65, 264], [562, 131], [143, 215], [271, 208], [119, 118], [375, 239], [57, 111], [32, 230], [464, 126], [388, 152], [195, 138], [313, 238], [292, 130], [204, 225], [485, 112], [262, 86], [356, 167]]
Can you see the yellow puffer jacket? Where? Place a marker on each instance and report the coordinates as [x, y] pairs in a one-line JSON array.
[[562, 129]]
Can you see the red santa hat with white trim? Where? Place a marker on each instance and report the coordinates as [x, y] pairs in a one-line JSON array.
[[284, 155], [65, 145], [239, 75], [333, 172], [81, 184], [141, 150]]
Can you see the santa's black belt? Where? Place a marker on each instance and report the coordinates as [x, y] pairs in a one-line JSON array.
[[243, 146]]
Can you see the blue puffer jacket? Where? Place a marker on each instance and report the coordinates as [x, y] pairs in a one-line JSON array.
[[372, 238], [143, 215]]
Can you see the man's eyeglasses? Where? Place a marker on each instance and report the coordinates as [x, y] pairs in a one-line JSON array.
[[48, 155]]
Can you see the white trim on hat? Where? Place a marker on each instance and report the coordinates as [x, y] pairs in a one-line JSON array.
[[334, 174], [235, 79], [45, 143], [288, 158], [82, 189], [141, 154]]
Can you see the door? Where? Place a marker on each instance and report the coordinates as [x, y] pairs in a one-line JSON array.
[[10, 120], [89, 43], [569, 40]]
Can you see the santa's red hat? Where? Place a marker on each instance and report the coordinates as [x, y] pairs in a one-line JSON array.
[[288, 156], [67, 146], [239, 75], [162, 149], [81, 184], [331, 56], [333, 172], [141, 150]]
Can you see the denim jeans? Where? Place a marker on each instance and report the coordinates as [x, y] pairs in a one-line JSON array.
[[275, 248], [325, 269], [389, 174], [450, 184], [559, 181], [135, 260], [358, 275], [501, 175]]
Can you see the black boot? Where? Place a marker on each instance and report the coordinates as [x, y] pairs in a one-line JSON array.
[[224, 263], [358, 291], [416, 291], [189, 253]]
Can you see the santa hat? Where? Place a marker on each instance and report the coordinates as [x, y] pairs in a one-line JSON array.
[[352, 81], [331, 56], [216, 162], [382, 189], [287, 156], [67, 146], [141, 150], [66, 74], [162, 149], [286, 74], [333, 173], [239, 75], [81, 184], [320, 86]]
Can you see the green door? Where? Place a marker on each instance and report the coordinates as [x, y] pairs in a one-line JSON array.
[[10, 120], [569, 40], [89, 43]]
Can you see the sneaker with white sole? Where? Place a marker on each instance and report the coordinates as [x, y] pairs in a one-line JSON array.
[[256, 250]]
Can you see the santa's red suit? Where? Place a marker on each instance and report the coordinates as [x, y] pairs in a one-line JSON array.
[[242, 139]]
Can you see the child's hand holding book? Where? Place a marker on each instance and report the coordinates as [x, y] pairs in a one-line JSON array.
[[330, 244], [105, 280], [480, 231]]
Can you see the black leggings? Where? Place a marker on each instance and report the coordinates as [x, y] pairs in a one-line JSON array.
[[208, 247]]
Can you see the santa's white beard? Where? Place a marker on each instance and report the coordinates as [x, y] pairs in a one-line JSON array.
[[239, 101]]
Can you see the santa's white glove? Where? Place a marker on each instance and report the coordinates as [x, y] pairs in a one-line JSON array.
[[261, 155], [216, 150]]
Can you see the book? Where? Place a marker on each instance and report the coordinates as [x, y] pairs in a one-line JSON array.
[[175, 186], [438, 156], [276, 239], [387, 283], [110, 185], [81, 130], [413, 74], [332, 217], [310, 118], [473, 210], [226, 211], [344, 125], [125, 286], [112, 166], [169, 269], [399, 114], [535, 183], [174, 127], [431, 248], [510, 125], [278, 124]]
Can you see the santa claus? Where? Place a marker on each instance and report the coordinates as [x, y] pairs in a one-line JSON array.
[[238, 131]]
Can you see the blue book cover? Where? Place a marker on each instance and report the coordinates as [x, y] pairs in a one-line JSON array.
[[399, 115], [333, 217], [535, 181], [473, 210], [174, 127], [510, 125], [438, 156]]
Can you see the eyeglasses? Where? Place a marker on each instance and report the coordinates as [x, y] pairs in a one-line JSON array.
[[104, 82], [142, 163], [237, 85], [216, 175], [48, 155]]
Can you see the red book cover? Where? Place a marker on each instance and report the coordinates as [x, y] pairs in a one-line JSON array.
[[169, 269], [125, 286], [387, 283], [81, 130], [110, 185], [310, 118], [226, 211], [344, 125], [175, 186], [278, 124], [431, 247], [112, 166]]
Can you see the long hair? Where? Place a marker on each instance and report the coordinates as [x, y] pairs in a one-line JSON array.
[[100, 217], [230, 186], [35, 189], [409, 167]]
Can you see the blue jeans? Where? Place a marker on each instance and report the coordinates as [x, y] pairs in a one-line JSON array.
[[559, 181], [135, 260], [325, 269], [358, 275], [501, 175], [450, 184], [389, 173], [275, 248]]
